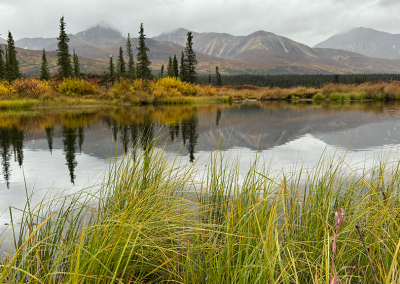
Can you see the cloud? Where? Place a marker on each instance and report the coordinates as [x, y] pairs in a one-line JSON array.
[[306, 21]]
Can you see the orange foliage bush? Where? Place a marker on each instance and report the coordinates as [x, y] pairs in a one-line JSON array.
[[30, 87]]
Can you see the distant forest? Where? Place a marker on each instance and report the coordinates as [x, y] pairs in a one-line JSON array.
[[288, 81]]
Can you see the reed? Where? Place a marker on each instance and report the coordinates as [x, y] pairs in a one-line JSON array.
[[154, 220]]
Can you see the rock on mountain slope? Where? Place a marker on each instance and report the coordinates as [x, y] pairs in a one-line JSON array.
[[227, 46], [366, 41]]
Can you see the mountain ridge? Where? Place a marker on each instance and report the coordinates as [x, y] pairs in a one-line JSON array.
[[260, 52], [366, 41]]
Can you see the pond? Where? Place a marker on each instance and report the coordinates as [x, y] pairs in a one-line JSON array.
[[69, 149]]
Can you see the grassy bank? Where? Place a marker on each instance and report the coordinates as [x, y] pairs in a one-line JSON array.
[[151, 221], [28, 93]]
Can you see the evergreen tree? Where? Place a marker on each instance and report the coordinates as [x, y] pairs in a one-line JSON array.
[[121, 68], [11, 71], [190, 60], [170, 68], [176, 68], [111, 70], [44, 70], [1, 64], [143, 61], [182, 68], [209, 79], [64, 58], [218, 76], [162, 71], [131, 63], [77, 69]]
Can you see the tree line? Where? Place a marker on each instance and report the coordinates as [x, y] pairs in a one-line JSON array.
[[186, 70], [289, 81]]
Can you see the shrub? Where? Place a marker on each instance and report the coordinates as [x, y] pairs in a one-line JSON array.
[[172, 86], [30, 87], [336, 97], [6, 90], [319, 97], [73, 87], [120, 88], [208, 90]]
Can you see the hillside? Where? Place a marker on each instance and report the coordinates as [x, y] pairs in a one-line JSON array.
[[366, 41], [30, 62], [228, 46], [258, 53]]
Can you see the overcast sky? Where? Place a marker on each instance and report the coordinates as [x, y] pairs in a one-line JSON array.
[[306, 21]]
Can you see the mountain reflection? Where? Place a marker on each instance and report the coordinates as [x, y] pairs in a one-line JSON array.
[[263, 126]]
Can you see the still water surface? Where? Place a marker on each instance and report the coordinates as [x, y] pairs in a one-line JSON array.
[[70, 149]]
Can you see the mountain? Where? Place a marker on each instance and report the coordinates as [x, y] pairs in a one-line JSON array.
[[102, 36], [268, 53], [258, 53], [228, 46], [2, 41], [34, 43], [366, 41]]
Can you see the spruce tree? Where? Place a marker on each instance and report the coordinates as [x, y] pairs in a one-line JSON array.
[[111, 70], [182, 68], [143, 61], [11, 71], [190, 60], [176, 68], [77, 69], [121, 68], [218, 76], [64, 58], [131, 63], [162, 71], [170, 68], [209, 79], [44, 71], [1, 64]]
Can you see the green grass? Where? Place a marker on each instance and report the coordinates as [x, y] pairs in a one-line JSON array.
[[25, 103], [152, 221], [195, 100]]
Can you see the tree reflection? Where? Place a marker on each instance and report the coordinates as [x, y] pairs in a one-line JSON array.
[[147, 135], [69, 140], [219, 112], [174, 131], [49, 135], [15, 137], [189, 134], [5, 154], [81, 138]]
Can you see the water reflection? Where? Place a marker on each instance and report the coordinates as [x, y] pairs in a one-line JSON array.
[[250, 125]]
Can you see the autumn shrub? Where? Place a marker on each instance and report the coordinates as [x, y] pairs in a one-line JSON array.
[[75, 87], [302, 92], [375, 91], [30, 87], [328, 89], [121, 89], [6, 90], [139, 85], [208, 90], [319, 97]]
